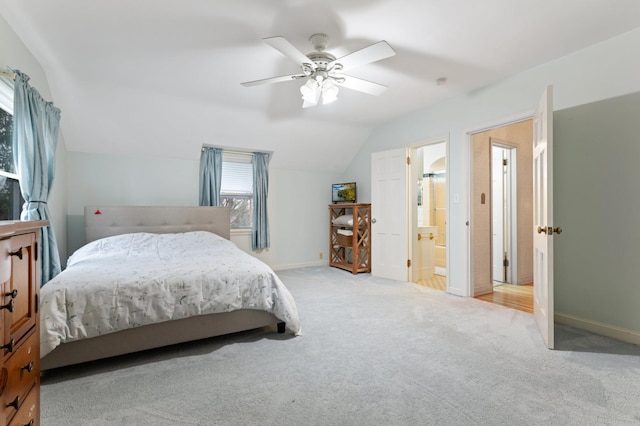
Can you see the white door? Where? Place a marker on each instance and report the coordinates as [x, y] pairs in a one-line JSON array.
[[504, 222], [423, 263], [497, 214], [543, 217], [389, 249]]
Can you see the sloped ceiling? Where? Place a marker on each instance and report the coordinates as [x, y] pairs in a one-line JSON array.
[[162, 77]]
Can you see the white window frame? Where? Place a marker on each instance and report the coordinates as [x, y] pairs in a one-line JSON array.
[[6, 104]]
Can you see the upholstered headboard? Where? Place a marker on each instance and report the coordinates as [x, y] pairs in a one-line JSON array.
[[106, 221]]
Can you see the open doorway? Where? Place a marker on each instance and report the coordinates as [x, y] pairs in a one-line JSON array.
[[504, 212], [502, 215], [429, 215]]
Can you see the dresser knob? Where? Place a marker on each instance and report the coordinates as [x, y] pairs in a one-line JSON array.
[[9, 306], [28, 367], [15, 403], [17, 253], [9, 346], [13, 294]]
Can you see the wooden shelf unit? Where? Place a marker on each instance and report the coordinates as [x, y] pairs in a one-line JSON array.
[[353, 252]]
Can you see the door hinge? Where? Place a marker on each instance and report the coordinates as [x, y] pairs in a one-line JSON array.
[[505, 262], [408, 263], [408, 161], [505, 162]]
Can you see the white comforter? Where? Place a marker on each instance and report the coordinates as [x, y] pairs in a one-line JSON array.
[[137, 279]]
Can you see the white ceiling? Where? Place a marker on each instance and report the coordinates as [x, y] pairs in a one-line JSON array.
[[163, 76]]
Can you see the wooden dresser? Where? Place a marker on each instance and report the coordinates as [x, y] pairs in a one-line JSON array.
[[19, 322]]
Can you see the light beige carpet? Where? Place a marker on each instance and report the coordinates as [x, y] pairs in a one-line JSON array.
[[373, 352]]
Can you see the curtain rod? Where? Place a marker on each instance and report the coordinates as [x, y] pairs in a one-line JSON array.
[[231, 151], [10, 74]]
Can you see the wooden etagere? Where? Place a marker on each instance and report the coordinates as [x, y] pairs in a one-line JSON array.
[[350, 252]]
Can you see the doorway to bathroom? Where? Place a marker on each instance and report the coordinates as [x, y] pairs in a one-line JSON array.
[[429, 214], [502, 215]]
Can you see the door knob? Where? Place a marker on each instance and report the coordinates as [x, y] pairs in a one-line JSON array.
[[373, 220], [549, 231]]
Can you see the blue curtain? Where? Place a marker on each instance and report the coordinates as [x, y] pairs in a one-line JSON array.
[[35, 137], [260, 238], [210, 176]]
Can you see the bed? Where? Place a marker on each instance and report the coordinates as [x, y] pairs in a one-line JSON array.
[[150, 277]]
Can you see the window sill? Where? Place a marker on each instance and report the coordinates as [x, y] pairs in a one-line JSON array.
[[243, 231]]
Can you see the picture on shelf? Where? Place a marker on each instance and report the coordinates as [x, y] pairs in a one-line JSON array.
[[343, 192]]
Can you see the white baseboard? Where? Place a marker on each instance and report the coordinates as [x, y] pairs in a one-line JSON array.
[[300, 265], [456, 292], [618, 333]]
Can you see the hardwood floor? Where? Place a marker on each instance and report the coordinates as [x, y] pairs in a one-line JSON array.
[[518, 297], [438, 282]]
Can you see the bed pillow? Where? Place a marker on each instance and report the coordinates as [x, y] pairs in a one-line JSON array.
[[345, 219]]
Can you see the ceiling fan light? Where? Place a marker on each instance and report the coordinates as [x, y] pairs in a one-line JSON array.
[[310, 92], [329, 92]]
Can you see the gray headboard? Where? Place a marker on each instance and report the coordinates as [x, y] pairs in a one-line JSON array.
[[106, 221]]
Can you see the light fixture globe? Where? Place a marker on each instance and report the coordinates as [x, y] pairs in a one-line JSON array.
[[310, 93], [318, 89], [329, 92]]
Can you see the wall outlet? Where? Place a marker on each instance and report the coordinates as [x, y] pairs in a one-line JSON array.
[[320, 255]]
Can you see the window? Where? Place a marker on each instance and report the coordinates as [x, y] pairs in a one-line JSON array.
[[10, 197], [236, 190]]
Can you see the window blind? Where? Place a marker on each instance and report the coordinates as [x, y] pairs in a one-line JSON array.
[[237, 174]]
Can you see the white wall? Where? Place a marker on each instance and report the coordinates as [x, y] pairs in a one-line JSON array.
[[297, 207], [14, 54], [607, 69]]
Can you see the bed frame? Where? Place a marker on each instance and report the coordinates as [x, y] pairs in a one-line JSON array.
[[104, 221]]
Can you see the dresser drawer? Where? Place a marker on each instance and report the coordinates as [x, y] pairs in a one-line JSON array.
[[23, 369], [20, 293], [28, 414]]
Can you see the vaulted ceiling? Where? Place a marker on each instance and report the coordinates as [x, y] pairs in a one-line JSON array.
[[162, 77]]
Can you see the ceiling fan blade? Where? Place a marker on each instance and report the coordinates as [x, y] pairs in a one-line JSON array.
[[361, 85], [287, 49], [273, 80], [366, 55]]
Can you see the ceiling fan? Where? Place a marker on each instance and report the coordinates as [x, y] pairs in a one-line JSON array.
[[323, 71]]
